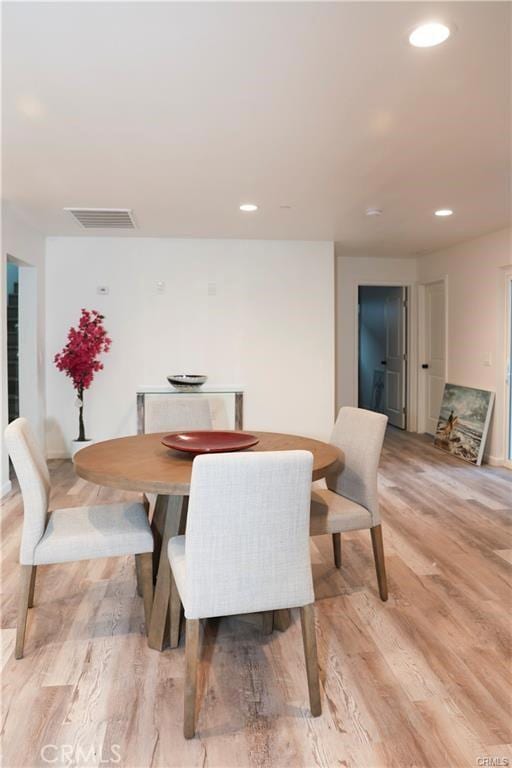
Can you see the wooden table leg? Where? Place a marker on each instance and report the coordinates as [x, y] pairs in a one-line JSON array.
[[146, 503], [169, 520], [157, 527]]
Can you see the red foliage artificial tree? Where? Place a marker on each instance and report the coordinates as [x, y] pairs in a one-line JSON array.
[[79, 358]]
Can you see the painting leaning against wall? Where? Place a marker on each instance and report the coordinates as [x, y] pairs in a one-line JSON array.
[[464, 422]]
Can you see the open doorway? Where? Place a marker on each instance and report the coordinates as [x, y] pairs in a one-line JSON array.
[[22, 341], [382, 351], [13, 341]]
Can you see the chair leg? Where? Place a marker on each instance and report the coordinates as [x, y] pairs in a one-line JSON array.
[[174, 614], [32, 587], [282, 619], [267, 619], [144, 565], [191, 659], [307, 618], [23, 601], [380, 564], [336, 545], [139, 576], [140, 586]]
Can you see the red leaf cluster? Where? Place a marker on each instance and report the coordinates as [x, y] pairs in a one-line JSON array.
[[79, 358]]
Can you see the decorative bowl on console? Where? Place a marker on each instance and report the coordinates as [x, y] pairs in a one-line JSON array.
[[186, 382]]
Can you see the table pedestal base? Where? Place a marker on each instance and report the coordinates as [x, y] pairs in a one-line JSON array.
[[169, 519]]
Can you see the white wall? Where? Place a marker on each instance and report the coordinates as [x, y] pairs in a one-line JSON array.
[[476, 318], [269, 328], [352, 271], [24, 244]]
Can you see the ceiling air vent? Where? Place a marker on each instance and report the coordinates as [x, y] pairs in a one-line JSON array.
[[103, 218]]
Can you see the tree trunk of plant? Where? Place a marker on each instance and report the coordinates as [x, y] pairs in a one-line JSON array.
[[81, 426]]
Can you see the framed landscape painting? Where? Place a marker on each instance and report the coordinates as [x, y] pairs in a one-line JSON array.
[[464, 422]]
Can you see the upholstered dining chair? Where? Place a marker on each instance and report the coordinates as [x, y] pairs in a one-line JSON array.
[[67, 535], [176, 412], [350, 501], [246, 550]]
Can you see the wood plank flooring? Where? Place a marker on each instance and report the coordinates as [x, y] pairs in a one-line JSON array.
[[421, 681]]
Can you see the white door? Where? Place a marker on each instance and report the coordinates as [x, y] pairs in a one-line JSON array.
[[433, 365], [395, 362]]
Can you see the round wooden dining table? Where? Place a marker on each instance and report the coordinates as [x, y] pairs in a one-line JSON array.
[[141, 463]]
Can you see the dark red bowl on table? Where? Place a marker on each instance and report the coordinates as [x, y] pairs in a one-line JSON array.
[[212, 441]]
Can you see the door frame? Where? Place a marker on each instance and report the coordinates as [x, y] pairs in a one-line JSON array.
[[422, 344], [411, 385]]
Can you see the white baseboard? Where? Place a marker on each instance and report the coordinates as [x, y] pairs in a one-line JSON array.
[[495, 461], [58, 455], [6, 488]]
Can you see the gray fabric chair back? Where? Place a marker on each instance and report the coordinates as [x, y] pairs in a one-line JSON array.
[[359, 434], [247, 539], [32, 473], [175, 412]]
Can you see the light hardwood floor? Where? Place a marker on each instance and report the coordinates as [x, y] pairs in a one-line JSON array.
[[422, 680]]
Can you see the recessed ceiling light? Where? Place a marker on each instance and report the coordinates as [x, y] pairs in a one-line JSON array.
[[444, 212], [248, 207], [428, 35], [373, 212]]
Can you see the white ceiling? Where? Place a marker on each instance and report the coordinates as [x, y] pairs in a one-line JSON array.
[[181, 111]]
